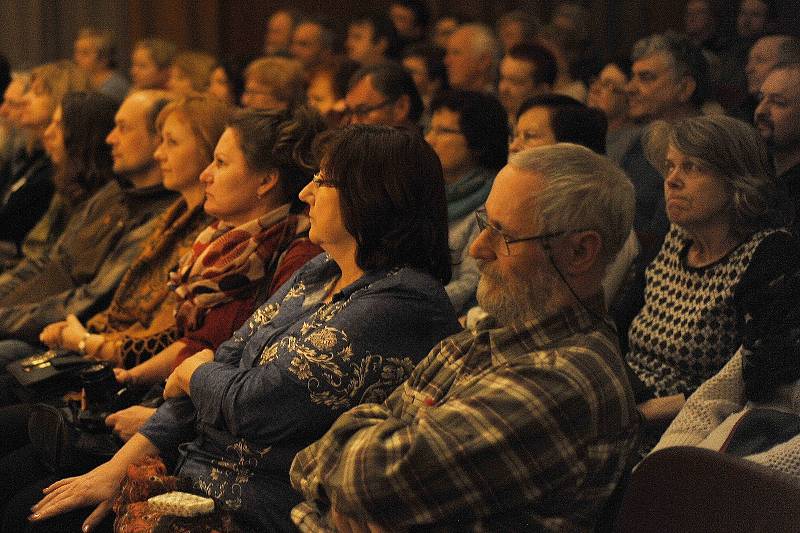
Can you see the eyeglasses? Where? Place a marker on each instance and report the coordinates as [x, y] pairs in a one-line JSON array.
[[362, 111], [495, 232], [319, 181]]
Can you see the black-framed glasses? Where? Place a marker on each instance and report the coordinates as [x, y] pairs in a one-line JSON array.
[[321, 181], [361, 111], [495, 232]]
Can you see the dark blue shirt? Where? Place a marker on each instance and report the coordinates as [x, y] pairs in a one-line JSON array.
[[287, 374]]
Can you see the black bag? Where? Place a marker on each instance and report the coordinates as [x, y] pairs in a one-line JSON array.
[[63, 444], [49, 371]]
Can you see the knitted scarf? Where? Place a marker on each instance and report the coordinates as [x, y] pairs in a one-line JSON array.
[[468, 193], [226, 262]]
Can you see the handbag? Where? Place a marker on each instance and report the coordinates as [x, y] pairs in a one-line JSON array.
[[50, 370]]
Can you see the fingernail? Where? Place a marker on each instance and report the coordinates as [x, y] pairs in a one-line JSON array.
[[34, 516], [85, 528]]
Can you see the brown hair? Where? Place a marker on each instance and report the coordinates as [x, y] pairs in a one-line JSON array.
[[197, 66], [206, 115], [285, 78]]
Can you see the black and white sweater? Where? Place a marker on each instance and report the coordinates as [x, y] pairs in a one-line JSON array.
[[688, 327]]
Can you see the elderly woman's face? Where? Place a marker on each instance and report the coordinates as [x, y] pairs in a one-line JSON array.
[[696, 198], [324, 210]]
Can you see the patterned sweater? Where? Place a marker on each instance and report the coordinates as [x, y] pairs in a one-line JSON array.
[[688, 327]]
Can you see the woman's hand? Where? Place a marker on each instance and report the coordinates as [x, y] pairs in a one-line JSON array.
[[99, 486], [178, 382], [662, 410], [126, 423], [73, 333], [124, 376], [51, 334]]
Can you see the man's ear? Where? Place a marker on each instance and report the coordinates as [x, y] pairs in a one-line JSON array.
[[582, 251], [400, 109], [688, 86]]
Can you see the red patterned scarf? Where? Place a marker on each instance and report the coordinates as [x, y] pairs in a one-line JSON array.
[[226, 262]]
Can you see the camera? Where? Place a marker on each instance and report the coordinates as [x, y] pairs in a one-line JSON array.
[[103, 395]]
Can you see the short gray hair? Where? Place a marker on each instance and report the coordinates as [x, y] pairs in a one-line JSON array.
[[685, 60], [584, 191], [483, 41]]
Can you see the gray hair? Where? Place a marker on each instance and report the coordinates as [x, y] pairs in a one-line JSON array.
[[483, 42], [789, 49], [684, 58], [584, 191], [733, 151]]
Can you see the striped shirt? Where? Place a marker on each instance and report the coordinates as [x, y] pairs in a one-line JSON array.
[[524, 427]]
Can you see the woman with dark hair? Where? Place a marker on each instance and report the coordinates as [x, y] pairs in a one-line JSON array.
[[75, 141], [227, 80], [348, 327], [469, 133], [727, 240]]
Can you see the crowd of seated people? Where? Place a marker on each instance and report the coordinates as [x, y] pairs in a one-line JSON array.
[[397, 272]]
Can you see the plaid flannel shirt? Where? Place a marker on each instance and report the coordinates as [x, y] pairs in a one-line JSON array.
[[524, 427]]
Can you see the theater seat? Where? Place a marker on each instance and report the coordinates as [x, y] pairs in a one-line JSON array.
[[686, 489]]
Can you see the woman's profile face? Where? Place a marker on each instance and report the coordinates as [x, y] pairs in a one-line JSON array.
[[320, 93], [232, 187], [179, 155], [325, 212], [220, 87], [53, 139], [695, 197], [144, 71]]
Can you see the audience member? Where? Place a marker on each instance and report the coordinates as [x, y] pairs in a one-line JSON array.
[[444, 27], [765, 55], [191, 72], [327, 88], [410, 19], [754, 19], [312, 42], [425, 63], [82, 164], [27, 177], [280, 27], [724, 245], [151, 60], [526, 70], [273, 83], [371, 38], [86, 265], [750, 408], [94, 54], [669, 81], [12, 137], [552, 118], [777, 118], [607, 93], [471, 58], [468, 132], [517, 27], [569, 28], [382, 94], [700, 25], [527, 423], [325, 342]]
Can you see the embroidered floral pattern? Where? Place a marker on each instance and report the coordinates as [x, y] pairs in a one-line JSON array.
[[226, 478]]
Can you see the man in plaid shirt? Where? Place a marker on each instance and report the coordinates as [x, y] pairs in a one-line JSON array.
[[526, 422]]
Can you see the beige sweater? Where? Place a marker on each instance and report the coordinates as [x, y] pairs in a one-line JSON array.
[[712, 411]]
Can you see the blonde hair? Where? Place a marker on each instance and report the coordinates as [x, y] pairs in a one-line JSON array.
[[284, 77], [60, 78], [205, 114], [161, 51], [197, 66]]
